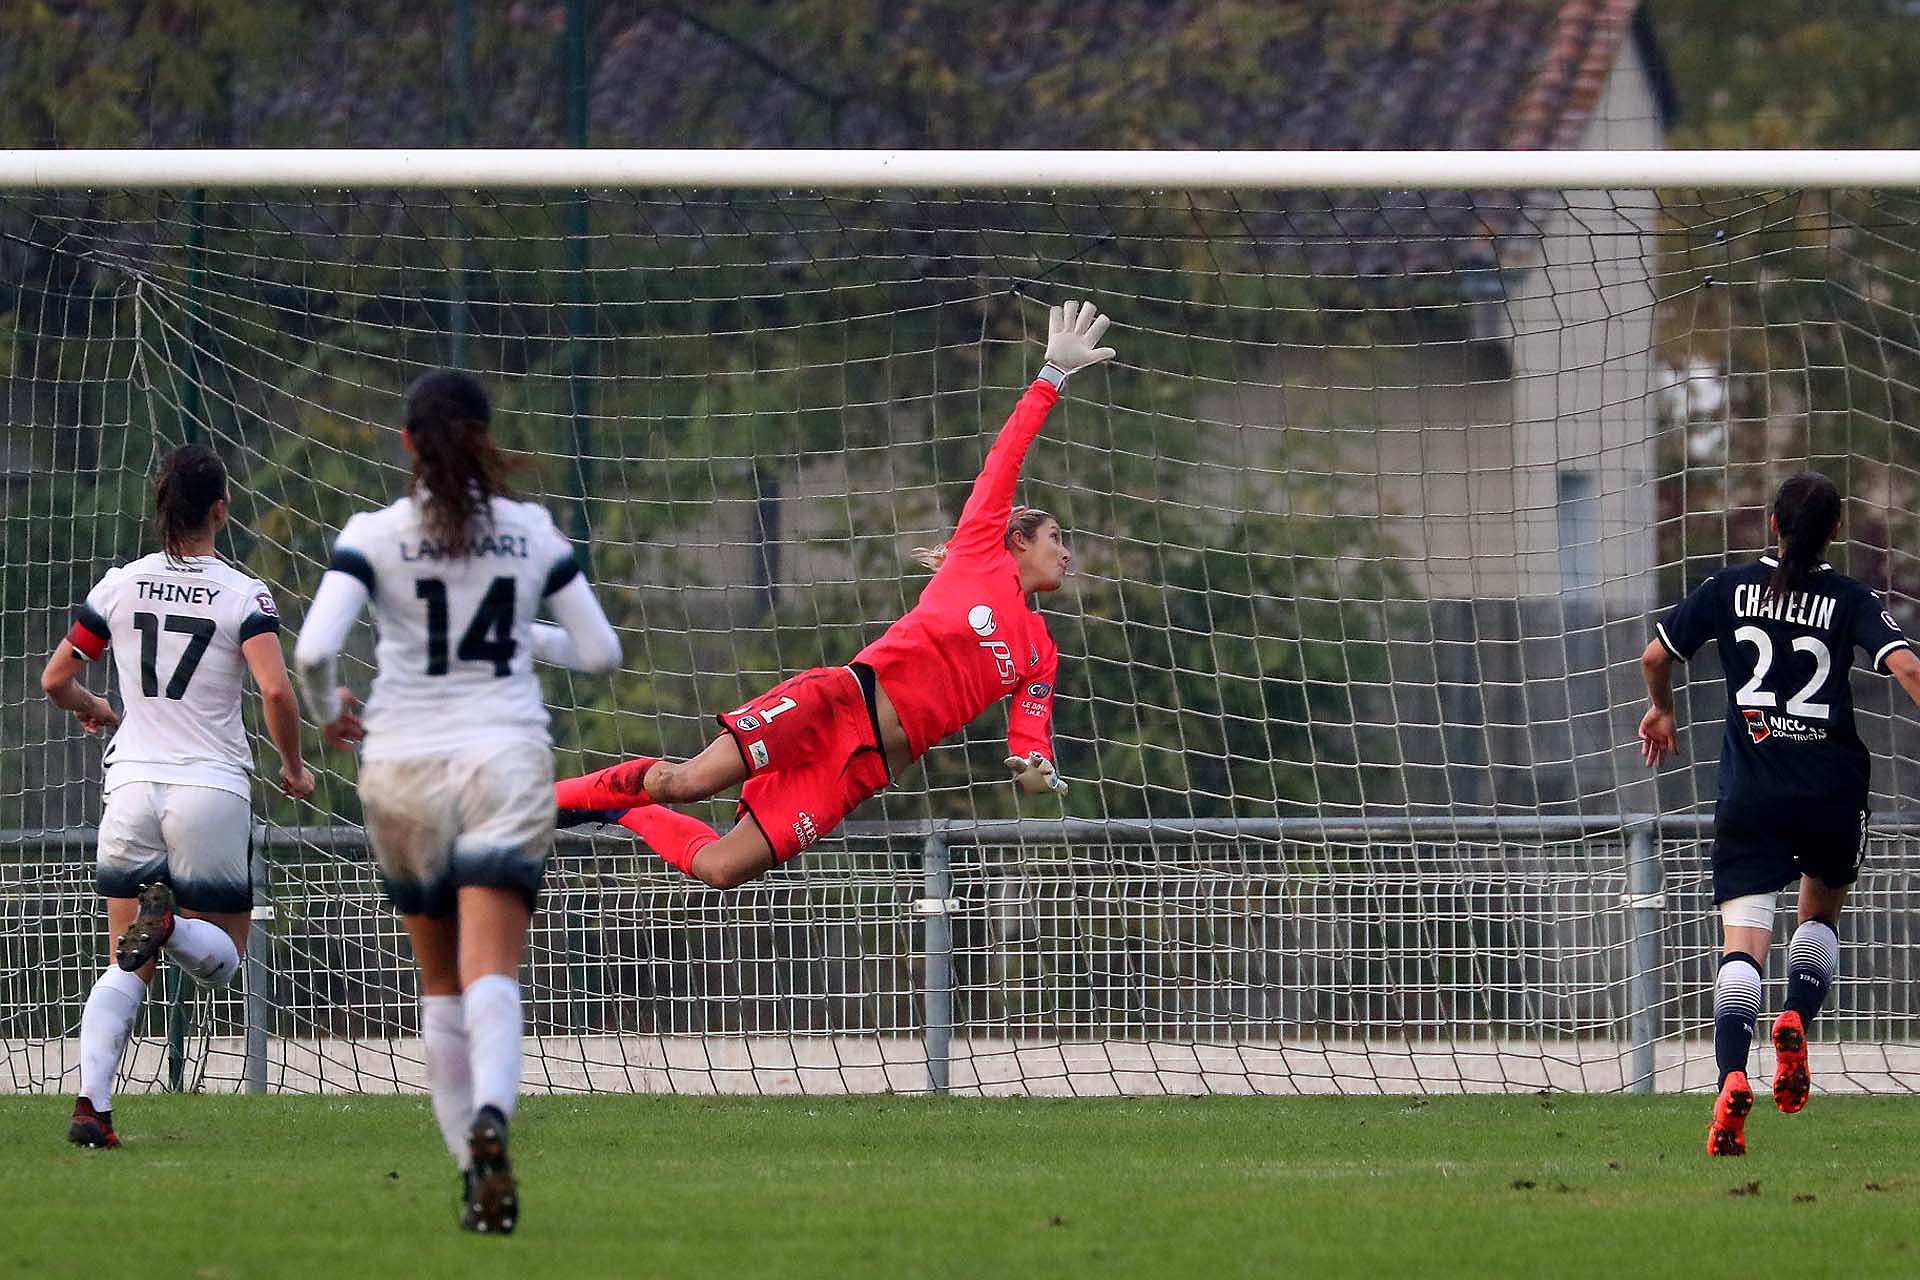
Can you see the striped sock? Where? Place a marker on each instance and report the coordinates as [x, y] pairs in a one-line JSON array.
[[1736, 1007], [1812, 957]]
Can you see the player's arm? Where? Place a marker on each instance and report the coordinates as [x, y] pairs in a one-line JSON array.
[[86, 641], [60, 681], [1074, 330], [1676, 638], [1030, 734], [1903, 666], [1659, 737], [583, 640], [1877, 634], [281, 708], [344, 591]]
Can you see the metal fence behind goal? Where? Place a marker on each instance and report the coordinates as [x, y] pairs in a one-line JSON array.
[[1022, 956]]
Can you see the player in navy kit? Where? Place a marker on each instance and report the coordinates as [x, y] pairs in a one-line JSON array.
[[1793, 774]]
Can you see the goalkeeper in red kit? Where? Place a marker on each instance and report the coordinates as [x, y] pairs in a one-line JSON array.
[[812, 748]]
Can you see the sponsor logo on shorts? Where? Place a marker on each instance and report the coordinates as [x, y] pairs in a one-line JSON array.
[[757, 752], [1039, 689], [980, 618], [747, 724], [804, 831]]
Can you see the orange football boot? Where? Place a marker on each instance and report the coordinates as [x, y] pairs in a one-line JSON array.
[[1727, 1135], [1792, 1082]]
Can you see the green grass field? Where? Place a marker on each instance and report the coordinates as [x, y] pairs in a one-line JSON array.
[[1533, 1186]]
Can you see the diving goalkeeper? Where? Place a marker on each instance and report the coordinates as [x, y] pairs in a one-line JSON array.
[[811, 749]]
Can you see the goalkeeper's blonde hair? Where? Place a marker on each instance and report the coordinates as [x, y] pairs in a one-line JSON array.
[[1025, 521]]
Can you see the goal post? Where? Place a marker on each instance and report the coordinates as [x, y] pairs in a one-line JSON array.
[[1400, 456]]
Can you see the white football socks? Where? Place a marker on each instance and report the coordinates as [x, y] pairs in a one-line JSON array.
[[443, 1022], [104, 1027], [203, 949], [493, 1041]]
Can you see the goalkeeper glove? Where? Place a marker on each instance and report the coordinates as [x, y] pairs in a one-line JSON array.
[[1035, 774], [1074, 330]]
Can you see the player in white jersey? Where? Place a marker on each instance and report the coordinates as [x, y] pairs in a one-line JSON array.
[[456, 774], [183, 625]]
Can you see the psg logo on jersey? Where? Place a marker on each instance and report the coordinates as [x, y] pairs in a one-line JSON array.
[[1757, 727]]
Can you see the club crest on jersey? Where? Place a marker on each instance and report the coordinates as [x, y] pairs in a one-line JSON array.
[[747, 724], [1757, 727], [980, 618], [757, 752], [1891, 624], [266, 604], [804, 831]]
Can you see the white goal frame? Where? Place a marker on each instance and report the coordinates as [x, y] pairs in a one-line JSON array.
[[1086, 170], [944, 1057]]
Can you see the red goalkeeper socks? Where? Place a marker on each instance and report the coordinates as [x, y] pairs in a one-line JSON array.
[[673, 835], [620, 786]]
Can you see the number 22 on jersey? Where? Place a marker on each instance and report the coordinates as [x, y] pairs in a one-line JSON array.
[[1802, 704]]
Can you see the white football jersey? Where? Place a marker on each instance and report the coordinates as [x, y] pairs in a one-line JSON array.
[[455, 633], [176, 627]]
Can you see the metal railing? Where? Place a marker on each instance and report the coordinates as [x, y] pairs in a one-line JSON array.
[[975, 939]]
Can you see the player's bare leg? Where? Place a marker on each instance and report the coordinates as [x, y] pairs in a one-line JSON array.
[[604, 795], [722, 861], [741, 855], [717, 768], [1812, 957], [207, 945]]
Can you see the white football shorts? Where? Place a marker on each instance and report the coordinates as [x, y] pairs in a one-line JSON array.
[[196, 839], [481, 816]]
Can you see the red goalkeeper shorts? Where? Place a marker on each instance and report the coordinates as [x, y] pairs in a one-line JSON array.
[[812, 756]]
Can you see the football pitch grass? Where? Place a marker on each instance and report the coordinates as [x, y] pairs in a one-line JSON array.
[[1533, 1185]]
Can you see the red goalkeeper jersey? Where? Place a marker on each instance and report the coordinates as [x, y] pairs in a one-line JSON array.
[[971, 640]]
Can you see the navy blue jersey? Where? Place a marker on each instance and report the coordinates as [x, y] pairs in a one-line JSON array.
[[1792, 757]]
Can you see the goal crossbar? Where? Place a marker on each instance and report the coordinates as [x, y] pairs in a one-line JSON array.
[[447, 168]]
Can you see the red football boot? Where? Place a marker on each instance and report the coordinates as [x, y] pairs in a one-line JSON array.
[[1727, 1135], [1792, 1082]]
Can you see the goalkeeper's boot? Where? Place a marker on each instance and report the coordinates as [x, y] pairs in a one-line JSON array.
[[149, 932], [1727, 1135], [1792, 1082], [567, 818], [91, 1128], [494, 1200]]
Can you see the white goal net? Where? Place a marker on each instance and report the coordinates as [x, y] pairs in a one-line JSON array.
[[1370, 521]]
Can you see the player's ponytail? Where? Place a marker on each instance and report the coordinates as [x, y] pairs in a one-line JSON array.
[[457, 469], [192, 480], [1026, 521], [1807, 509]]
